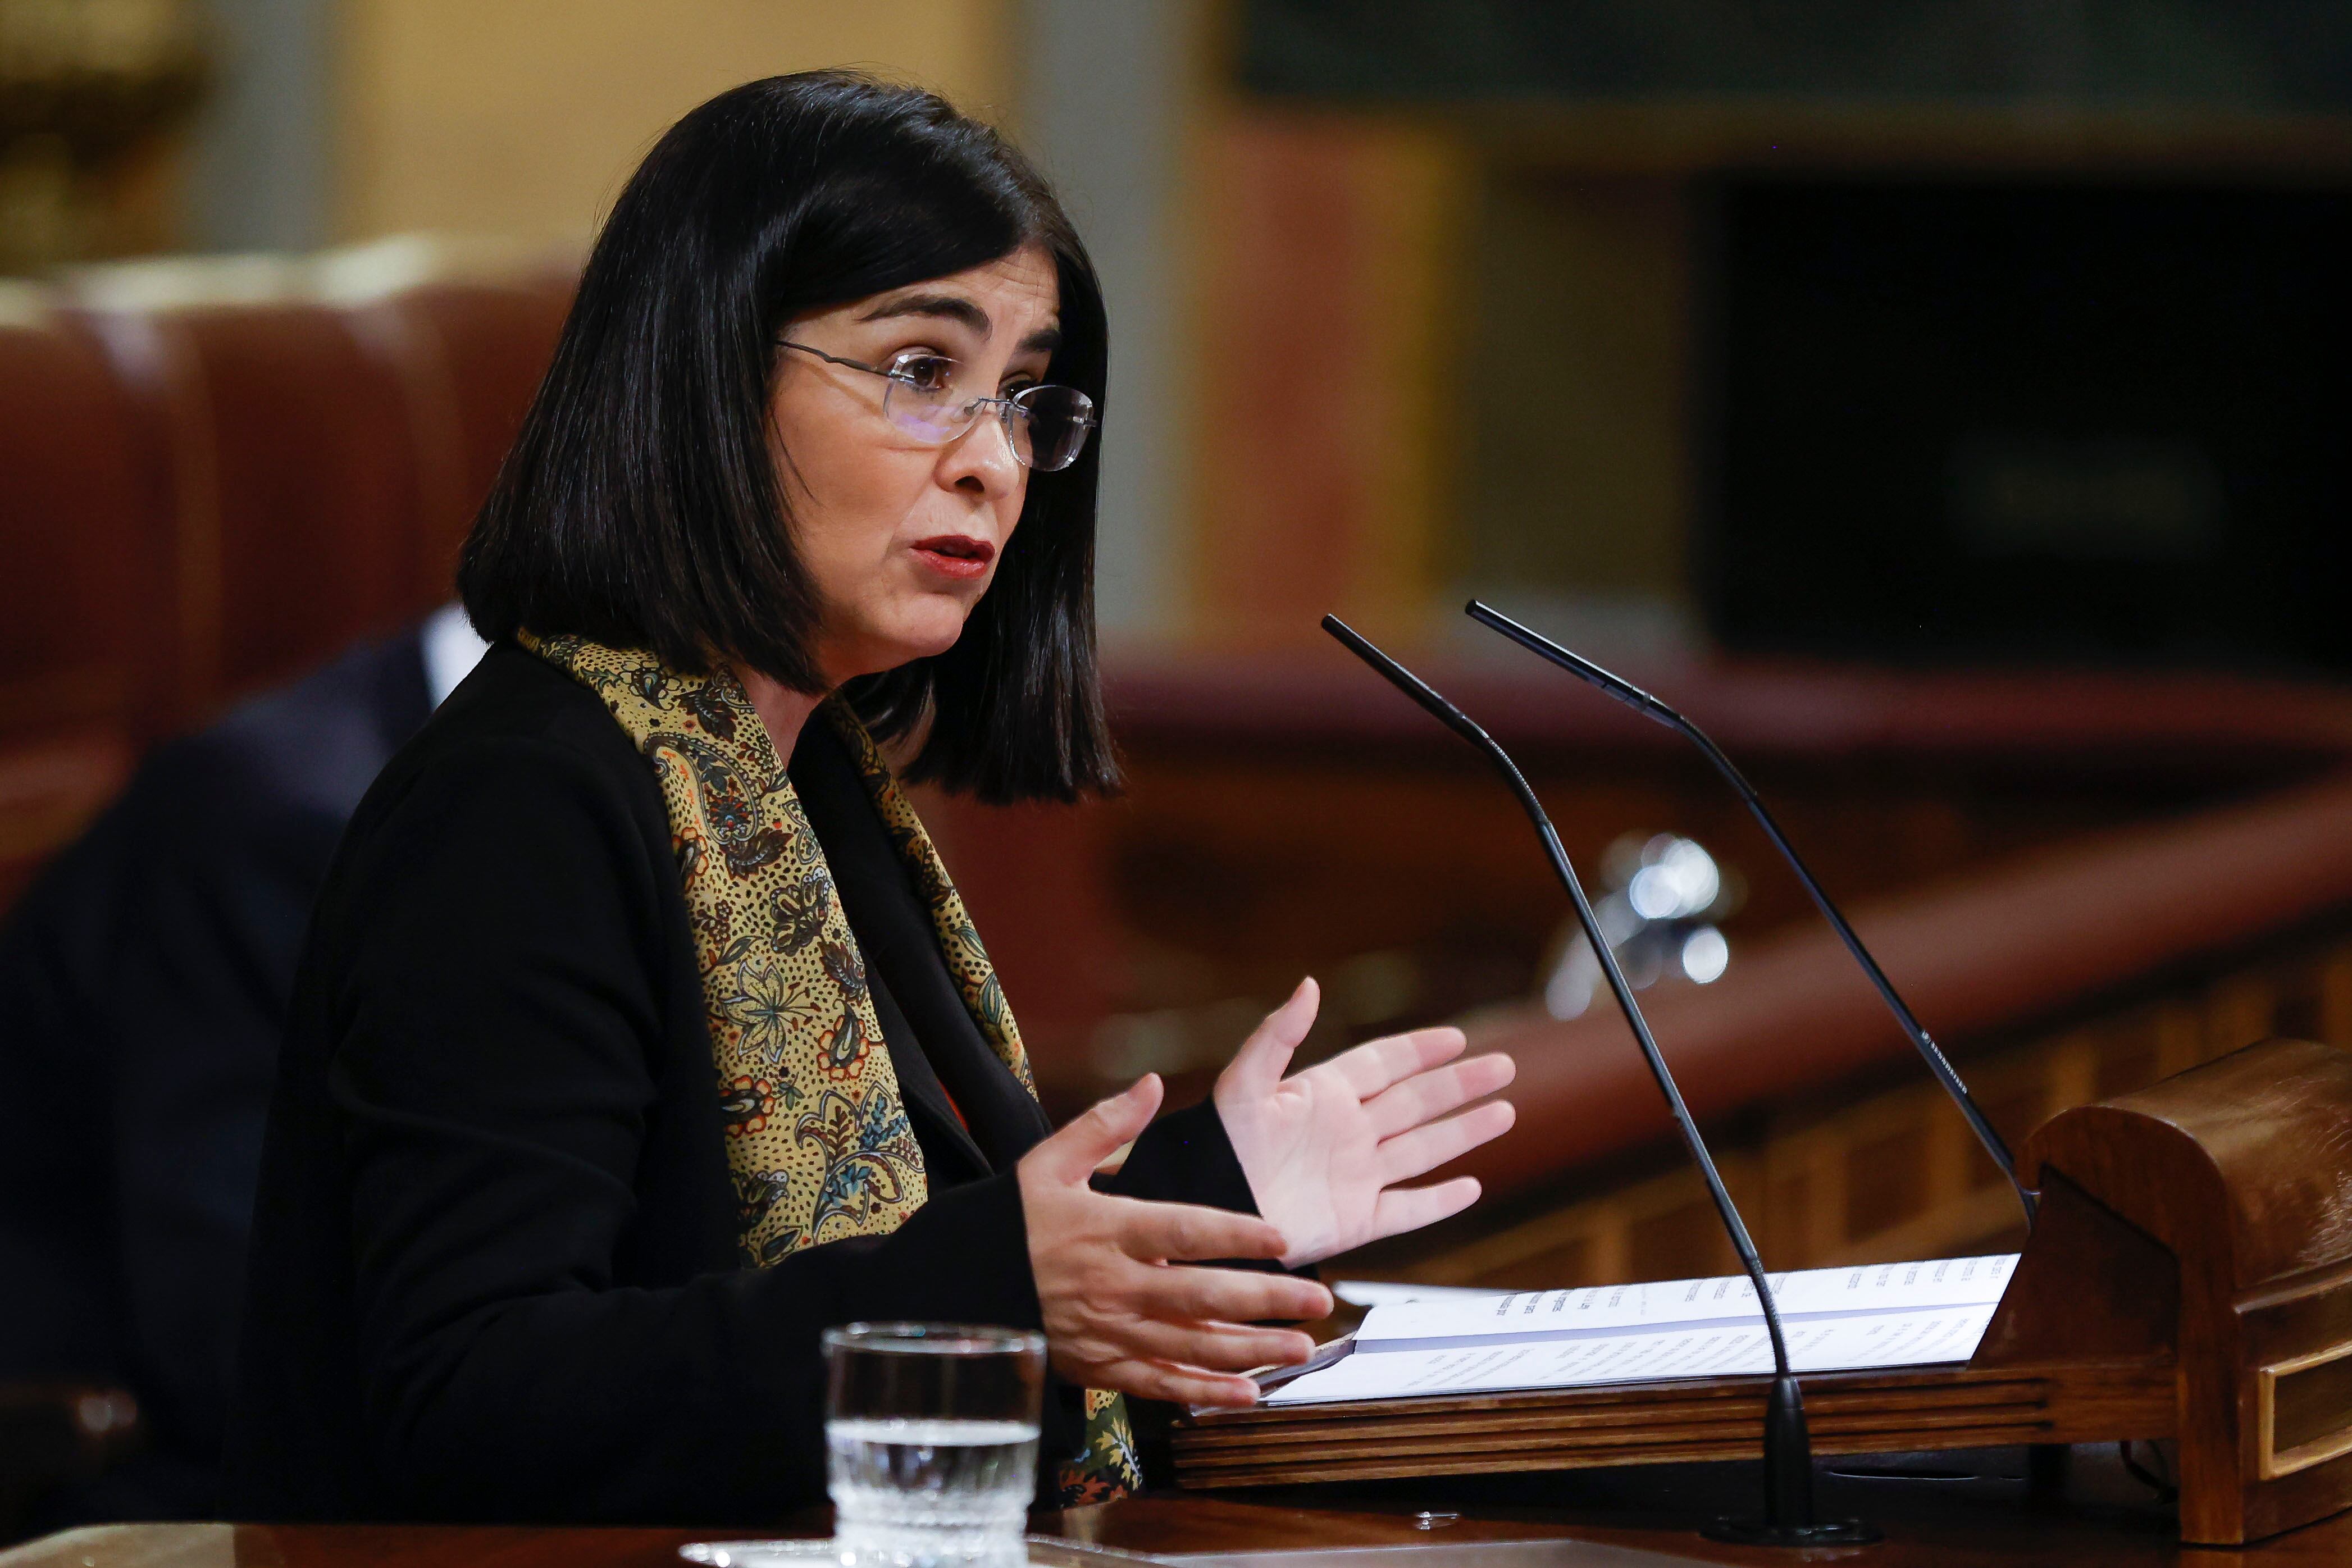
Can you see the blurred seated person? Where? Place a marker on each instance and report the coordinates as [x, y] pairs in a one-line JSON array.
[[641, 1033], [144, 984]]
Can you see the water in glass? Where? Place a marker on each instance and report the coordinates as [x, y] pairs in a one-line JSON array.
[[936, 1491], [931, 1438]]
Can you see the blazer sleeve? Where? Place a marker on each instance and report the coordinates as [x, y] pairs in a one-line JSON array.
[[1185, 1157], [493, 1075]]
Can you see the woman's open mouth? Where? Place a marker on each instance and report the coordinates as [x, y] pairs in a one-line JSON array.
[[957, 555]]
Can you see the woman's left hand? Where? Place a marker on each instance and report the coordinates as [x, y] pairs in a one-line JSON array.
[[1325, 1149]]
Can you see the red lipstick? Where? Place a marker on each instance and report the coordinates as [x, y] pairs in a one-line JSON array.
[[956, 556]]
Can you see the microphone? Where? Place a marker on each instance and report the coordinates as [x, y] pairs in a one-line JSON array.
[[1788, 1518], [1641, 702]]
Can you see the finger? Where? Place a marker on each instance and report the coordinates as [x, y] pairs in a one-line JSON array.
[[1377, 1064], [1182, 1294], [1153, 1232], [1422, 1150], [1429, 1095], [1178, 1385], [1072, 1155], [1265, 1056], [1401, 1209], [1218, 1347]]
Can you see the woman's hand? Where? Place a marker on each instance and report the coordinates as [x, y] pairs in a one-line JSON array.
[[1325, 1149], [1118, 1311]]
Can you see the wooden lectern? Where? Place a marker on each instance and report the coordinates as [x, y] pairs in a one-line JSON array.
[[2190, 1278]]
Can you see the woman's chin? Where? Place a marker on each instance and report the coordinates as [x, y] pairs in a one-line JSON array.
[[926, 637]]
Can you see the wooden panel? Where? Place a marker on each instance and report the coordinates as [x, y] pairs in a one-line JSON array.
[[1698, 1419], [2241, 1170], [1329, 427], [2191, 1256]]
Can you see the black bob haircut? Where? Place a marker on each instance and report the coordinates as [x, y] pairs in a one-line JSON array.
[[639, 505]]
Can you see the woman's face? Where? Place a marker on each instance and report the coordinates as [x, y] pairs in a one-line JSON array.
[[902, 538]]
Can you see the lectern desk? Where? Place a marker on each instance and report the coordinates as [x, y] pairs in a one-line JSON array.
[[2190, 1279], [2099, 1518]]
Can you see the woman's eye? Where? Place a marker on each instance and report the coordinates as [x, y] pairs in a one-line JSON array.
[[926, 373]]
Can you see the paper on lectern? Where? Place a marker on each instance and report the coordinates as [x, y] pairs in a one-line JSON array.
[[1836, 1319]]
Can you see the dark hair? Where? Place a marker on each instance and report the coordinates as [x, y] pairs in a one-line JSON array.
[[639, 505]]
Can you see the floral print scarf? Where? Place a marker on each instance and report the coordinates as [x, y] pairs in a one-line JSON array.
[[817, 1138]]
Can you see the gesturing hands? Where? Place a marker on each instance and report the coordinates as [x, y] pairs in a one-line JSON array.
[[1324, 1149], [1119, 1309]]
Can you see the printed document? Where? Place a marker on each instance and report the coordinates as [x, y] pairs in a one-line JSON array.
[[1836, 1319]]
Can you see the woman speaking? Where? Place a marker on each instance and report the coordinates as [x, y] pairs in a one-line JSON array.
[[641, 1033]]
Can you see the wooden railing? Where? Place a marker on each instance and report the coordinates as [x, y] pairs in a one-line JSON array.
[[2088, 972]]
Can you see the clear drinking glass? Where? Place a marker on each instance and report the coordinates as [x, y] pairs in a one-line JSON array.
[[932, 1442]]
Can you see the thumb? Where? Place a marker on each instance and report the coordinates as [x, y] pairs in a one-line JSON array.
[[1071, 1155], [1265, 1056]]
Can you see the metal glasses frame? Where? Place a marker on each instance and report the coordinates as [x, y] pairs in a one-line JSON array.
[[1006, 407]]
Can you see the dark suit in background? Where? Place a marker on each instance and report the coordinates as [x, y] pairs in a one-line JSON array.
[[143, 986]]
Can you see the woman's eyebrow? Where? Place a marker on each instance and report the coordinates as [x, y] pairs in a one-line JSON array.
[[1044, 340], [946, 306]]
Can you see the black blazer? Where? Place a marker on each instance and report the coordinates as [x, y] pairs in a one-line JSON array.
[[143, 986], [494, 1268]]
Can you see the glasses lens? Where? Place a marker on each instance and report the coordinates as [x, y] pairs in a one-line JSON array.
[[923, 399], [1050, 429]]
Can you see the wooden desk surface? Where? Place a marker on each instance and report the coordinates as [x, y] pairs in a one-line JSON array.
[[1968, 1507]]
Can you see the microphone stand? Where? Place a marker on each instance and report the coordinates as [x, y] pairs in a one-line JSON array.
[[1788, 1518], [1641, 702]]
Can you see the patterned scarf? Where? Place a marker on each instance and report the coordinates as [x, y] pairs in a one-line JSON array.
[[817, 1138]]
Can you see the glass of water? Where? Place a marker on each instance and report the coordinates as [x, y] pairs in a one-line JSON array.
[[932, 1442]]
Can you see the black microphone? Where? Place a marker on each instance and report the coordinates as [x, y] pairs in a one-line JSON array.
[[1789, 1518], [1641, 702]]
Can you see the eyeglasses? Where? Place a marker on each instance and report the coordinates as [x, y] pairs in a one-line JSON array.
[[1046, 426]]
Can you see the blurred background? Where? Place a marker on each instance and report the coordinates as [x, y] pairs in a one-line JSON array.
[[1942, 401]]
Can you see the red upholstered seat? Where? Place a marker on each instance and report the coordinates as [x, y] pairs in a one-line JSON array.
[[82, 574], [215, 474], [327, 431], [291, 499], [470, 355], [83, 584]]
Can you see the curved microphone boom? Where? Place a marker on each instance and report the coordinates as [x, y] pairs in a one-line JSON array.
[[1789, 1518], [1641, 702]]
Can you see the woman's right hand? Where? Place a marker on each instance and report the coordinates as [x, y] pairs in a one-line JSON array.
[[1120, 1308]]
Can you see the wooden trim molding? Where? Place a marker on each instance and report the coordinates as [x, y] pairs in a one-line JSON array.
[[2328, 1443]]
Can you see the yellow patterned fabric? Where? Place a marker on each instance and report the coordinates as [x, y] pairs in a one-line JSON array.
[[817, 1138]]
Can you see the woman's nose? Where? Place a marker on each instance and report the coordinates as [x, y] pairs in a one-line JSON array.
[[981, 460]]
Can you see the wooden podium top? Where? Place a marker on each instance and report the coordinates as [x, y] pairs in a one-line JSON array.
[[2096, 1516]]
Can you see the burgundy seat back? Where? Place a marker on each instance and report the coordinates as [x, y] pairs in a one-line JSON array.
[[81, 584], [292, 494], [80, 579], [216, 474], [470, 356]]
